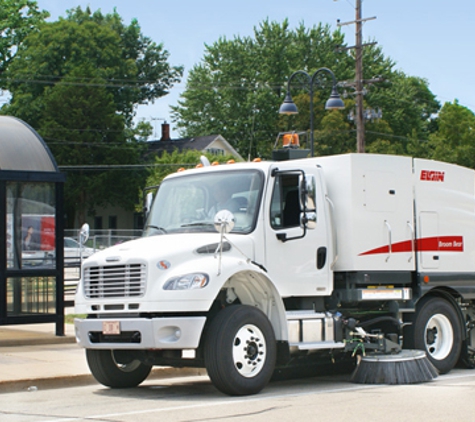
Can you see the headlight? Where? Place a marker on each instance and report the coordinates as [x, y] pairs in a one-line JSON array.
[[187, 282]]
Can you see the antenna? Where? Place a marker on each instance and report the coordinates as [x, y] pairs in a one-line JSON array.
[[155, 119]]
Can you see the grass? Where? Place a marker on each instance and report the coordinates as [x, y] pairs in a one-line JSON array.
[[69, 318]]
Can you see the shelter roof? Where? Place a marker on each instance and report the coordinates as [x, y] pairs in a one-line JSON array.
[[21, 148]]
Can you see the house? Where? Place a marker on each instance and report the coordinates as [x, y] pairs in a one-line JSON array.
[[214, 144], [115, 219]]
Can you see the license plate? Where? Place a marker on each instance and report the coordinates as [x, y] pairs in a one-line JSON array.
[[110, 327]]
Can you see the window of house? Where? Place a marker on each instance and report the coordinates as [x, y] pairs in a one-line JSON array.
[[138, 221], [215, 151], [113, 222], [97, 223]]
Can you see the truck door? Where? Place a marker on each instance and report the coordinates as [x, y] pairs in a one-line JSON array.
[[428, 243], [298, 258]]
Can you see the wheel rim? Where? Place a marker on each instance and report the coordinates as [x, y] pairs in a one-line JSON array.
[[249, 351], [439, 336], [126, 367]]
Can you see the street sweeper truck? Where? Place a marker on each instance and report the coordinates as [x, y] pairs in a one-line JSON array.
[[248, 268]]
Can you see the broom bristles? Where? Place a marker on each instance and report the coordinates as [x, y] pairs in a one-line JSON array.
[[406, 367]]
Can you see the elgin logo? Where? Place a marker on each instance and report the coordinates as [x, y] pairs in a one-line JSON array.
[[432, 176]]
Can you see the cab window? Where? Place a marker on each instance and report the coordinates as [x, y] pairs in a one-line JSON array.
[[285, 204]]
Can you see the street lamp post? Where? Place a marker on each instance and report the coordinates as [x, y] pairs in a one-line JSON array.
[[334, 102]]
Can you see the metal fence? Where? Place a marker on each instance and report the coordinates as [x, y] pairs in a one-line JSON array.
[[98, 240], [101, 239]]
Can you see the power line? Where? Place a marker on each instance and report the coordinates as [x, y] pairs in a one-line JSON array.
[[54, 80], [101, 167], [97, 144], [247, 85]]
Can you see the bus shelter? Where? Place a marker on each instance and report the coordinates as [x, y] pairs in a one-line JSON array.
[[31, 227]]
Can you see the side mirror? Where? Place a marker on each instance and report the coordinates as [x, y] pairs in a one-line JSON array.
[[204, 160], [148, 203], [307, 193], [224, 221]]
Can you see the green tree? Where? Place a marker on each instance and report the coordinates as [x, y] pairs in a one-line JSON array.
[[238, 87], [169, 163], [18, 18], [334, 135], [98, 138], [78, 82], [408, 108], [454, 140], [134, 68]]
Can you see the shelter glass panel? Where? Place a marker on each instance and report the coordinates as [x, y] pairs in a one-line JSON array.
[[30, 222], [31, 295]]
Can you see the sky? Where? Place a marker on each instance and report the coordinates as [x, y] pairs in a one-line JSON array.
[[431, 39]]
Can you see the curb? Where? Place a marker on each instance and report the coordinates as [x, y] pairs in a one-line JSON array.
[[36, 340], [16, 386], [31, 385]]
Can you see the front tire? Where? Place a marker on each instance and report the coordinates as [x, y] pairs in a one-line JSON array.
[[115, 369], [437, 331], [240, 350]]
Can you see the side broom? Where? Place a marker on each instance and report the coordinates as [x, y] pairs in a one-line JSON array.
[[383, 361]]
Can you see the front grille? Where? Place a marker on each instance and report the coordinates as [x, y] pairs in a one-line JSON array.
[[115, 281]]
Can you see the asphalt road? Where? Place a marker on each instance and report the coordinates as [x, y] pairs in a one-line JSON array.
[[194, 399]]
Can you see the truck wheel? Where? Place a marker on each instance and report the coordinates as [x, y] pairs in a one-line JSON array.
[[437, 331], [114, 369], [240, 350]]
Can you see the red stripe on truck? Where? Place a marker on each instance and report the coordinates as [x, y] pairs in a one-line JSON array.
[[425, 244]]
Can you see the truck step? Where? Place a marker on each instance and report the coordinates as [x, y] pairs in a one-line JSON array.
[[310, 330], [318, 346]]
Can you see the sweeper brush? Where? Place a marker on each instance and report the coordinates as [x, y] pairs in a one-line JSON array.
[[383, 361], [405, 367]]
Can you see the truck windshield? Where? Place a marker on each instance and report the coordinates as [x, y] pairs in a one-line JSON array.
[[189, 203]]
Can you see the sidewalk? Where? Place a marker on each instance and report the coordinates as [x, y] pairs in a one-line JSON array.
[[33, 357]]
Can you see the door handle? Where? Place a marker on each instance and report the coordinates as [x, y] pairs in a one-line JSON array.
[[321, 257]]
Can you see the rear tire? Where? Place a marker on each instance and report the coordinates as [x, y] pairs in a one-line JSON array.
[[240, 350], [437, 331], [114, 369]]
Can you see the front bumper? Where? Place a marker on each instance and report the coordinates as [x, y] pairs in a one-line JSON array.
[[140, 333]]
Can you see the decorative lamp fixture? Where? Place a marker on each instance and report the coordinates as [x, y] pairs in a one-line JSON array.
[[288, 107], [333, 103]]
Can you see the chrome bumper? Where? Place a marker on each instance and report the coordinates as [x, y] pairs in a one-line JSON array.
[[140, 333]]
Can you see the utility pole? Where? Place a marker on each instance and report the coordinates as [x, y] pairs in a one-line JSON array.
[[360, 141], [358, 47]]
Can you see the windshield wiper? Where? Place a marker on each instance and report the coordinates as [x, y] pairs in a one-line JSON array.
[[198, 224], [156, 228]]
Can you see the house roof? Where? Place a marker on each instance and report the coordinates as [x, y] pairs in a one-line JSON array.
[[198, 143]]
